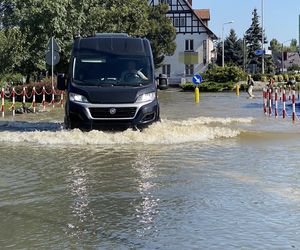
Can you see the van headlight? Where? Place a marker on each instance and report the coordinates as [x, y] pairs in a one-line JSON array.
[[149, 97], [77, 98]]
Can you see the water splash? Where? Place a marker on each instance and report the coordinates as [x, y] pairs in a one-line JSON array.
[[167, 132]]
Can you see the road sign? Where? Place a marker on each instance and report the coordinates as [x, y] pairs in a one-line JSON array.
[[56, 58], [56, 47], [259, 52], [197, 79], [268, 52]]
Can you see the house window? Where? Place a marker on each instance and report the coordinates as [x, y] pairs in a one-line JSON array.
[[165, 1], [189, 69], [179, 21], [189, 45], [166, 69], [182, 21]]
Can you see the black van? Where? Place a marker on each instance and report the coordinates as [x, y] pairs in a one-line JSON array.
[[111, 83]]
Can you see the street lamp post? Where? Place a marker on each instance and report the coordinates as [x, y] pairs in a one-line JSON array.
[[262, 38], [223, 41]]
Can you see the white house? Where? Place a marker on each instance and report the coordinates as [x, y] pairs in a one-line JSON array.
[[194, 40]]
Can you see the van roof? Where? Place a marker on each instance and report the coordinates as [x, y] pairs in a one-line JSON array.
[[111, 35], [120, 44]]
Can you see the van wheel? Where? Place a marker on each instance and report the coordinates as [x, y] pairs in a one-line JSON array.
[[67, 123], [157, 119]]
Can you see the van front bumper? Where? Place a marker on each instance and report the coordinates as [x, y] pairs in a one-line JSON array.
[[112, 116]]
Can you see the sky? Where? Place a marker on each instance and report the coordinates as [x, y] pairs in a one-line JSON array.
[[281, 18]]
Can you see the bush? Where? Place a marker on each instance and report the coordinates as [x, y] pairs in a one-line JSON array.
[[280, 78], [263, 78], [224, 75], [257, 77], [275, 77], [208, 86], [286, 77], [12, 79], [297, 77]]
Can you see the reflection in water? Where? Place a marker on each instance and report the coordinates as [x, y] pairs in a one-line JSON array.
[[78, 184], [147, 209]]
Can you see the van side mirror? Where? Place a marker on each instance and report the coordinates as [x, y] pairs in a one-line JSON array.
[[61, 82], [163, 81]]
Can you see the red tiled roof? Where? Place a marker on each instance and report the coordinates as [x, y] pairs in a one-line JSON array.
[[203, 14]]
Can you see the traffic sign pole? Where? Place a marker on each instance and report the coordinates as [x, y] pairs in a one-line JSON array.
[[52, 66], [197, 79]]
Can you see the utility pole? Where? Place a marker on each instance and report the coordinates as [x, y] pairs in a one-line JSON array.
[[244, 53], [223, 47], [262, 38]]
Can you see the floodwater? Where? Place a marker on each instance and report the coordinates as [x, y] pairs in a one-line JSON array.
[[218, 175]]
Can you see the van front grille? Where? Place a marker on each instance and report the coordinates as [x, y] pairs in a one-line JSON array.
[[113, 113]]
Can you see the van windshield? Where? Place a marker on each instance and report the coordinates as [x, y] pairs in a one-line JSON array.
[[112, 70]]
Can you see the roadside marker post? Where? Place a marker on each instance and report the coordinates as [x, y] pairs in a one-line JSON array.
[[276, 103], [3, 103], [294, 105], [197, 79], [13, 107]]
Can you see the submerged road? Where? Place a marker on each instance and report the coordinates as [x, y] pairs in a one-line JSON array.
[[218, 175]]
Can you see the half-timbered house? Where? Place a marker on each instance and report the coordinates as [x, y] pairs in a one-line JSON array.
[[194, 40]]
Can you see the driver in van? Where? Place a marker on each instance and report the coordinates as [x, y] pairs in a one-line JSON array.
[[131, 73]]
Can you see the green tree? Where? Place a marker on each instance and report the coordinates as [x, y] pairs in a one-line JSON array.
[[253, 39], [233, 49], [161, 34], [10, 50], [275, 46], [38, 21]]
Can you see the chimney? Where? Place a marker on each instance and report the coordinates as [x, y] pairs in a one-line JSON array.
[[191, 2]]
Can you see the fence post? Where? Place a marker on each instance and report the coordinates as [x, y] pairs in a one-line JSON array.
[[24, 95], [3, 102], [276, 103], [265, 100], [294, 105], [33, 99], [44, 98], [270, 102], [53, 97], [13, 107], [284, 101], [62, 99]]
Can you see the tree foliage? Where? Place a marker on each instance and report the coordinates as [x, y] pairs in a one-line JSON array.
[[233, 50], [253, 39], [227, 74], [162, 34], [37, 21]]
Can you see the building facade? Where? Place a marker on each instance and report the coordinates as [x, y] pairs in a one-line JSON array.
[[194, 40]]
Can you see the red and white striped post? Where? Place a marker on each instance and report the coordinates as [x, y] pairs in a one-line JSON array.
[[62, 99], [53, 97], [276, 103], [24, 95], [2, 98], [280, 94], [33, 99], [284, 102], [13, 107], [294, 105], [270, 102], [44, 98], [265, 100]]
